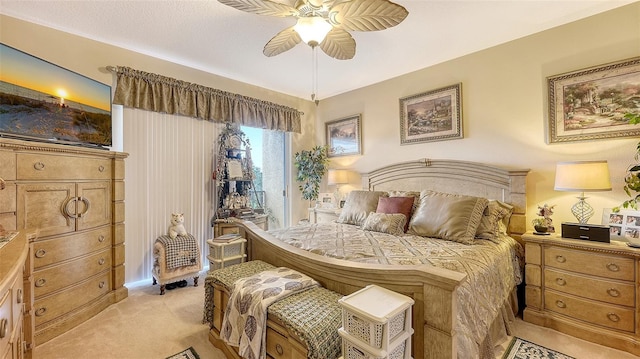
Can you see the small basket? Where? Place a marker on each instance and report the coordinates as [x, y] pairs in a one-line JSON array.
[[376, 316], [227, 250], [224, 263]]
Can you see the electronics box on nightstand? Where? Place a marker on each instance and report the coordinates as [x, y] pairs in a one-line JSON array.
[[589, 232]]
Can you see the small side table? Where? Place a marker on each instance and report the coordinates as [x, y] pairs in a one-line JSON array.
[[324, 215]]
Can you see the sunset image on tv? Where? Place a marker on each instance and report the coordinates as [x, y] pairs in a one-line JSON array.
[[42, 101]]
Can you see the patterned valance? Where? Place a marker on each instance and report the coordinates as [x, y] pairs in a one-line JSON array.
[[152, 92]]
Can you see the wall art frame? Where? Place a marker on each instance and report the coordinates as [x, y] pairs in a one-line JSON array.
[[434, 115], [624, 225], [590, 104], [344, 136]]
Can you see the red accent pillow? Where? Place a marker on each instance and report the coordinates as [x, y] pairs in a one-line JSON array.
[[402, 205]]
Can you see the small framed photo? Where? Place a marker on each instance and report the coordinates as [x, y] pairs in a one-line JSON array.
[[344, 136], [590, 104], [623, 225], [431, 116], [326, 200]]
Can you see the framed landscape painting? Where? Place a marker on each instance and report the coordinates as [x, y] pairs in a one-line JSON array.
[[431, 116], [343, 136], [591, 104]]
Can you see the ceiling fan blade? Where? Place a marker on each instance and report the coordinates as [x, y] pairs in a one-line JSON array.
[[339, 44], [262, 7], [367, 15], [283, 41]]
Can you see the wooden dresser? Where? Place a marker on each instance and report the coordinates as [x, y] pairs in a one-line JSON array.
[[15, 322], [587, 289], [73, 198]]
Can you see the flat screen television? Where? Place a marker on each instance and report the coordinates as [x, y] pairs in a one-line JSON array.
[[45, 102]]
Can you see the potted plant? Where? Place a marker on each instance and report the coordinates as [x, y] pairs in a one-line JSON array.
[[312, 166], [632, 179]]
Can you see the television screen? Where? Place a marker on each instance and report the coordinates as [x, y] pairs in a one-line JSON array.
[[45, 102]]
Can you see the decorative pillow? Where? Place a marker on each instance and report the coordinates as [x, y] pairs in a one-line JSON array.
[[402, 205], [358, 206], [414, 194], [495, 214], [448, 216], [392, 223]]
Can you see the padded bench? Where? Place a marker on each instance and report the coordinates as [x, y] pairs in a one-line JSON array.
[[162, 273], [302, 325]]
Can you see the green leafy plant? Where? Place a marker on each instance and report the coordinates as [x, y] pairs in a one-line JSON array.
[[312, 166], [632, 179]]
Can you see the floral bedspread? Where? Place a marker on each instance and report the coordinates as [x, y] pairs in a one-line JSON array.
[[493, 269]]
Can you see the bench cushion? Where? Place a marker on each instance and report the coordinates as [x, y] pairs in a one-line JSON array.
[[314, 316]]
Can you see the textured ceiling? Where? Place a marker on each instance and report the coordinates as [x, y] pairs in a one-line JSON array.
[[209, 36]]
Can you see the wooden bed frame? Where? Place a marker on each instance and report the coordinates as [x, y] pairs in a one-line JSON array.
[[433, 289]]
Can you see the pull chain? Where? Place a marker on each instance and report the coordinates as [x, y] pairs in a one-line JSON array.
[[314, 75]]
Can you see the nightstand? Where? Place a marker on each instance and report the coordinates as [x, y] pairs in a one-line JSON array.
[[584, 288], [323, 215]]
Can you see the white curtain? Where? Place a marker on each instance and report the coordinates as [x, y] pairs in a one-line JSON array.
[[168, 170]]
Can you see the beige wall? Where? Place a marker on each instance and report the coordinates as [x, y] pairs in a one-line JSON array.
[[503, 103]]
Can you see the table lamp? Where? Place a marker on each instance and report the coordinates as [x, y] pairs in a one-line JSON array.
[[337, 177], [582, 176]]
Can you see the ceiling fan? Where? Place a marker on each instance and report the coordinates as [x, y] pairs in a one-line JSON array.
[[324, 23]]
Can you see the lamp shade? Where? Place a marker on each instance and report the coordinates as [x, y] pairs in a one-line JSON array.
[[312, 29], [582, 176], [337, 177]]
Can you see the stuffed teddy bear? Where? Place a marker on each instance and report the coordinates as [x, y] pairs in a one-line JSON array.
[[177, 227]]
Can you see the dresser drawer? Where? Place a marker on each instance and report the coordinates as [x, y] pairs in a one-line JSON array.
[[278, 346], [53, 306], [606, 315], [8, 197], [57, 167], [5, 317], [51, 251], [589, 287], [8, 165], [60, 276], [590, 263]]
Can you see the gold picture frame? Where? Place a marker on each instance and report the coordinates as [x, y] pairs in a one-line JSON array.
[[590, 104], [431, 116], [344, 136]]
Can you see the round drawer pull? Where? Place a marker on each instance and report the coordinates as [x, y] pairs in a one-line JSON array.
[[561, 259], [39, 166], [101, 261], [613, 267], [40, 253], [101, 285], [19, 296], [561, 304], [101, 238], [613, 292], [101, 168], [40, 311], [613, 317], [3, 184], [41, 282], [561, 281], [279, 349], [3, 327]]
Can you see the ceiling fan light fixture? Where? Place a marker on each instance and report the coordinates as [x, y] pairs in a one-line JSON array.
[[312, 29]]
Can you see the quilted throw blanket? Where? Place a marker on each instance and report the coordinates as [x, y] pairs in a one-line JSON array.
[[245, 319], [181, 251]]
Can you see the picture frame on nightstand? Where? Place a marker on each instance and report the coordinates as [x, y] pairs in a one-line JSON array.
[[326, 200], [624, 225]]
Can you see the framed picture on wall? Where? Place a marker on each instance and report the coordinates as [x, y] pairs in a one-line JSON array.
[[344, 136], [623, 225], [590, 104], [431, 116]]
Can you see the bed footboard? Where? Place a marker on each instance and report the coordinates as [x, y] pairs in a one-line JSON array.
[[433, 289]]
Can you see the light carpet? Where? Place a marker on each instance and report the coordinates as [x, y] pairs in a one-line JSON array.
[[523, 349]]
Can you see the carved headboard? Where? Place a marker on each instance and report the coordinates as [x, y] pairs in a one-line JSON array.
[[459, 177]]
